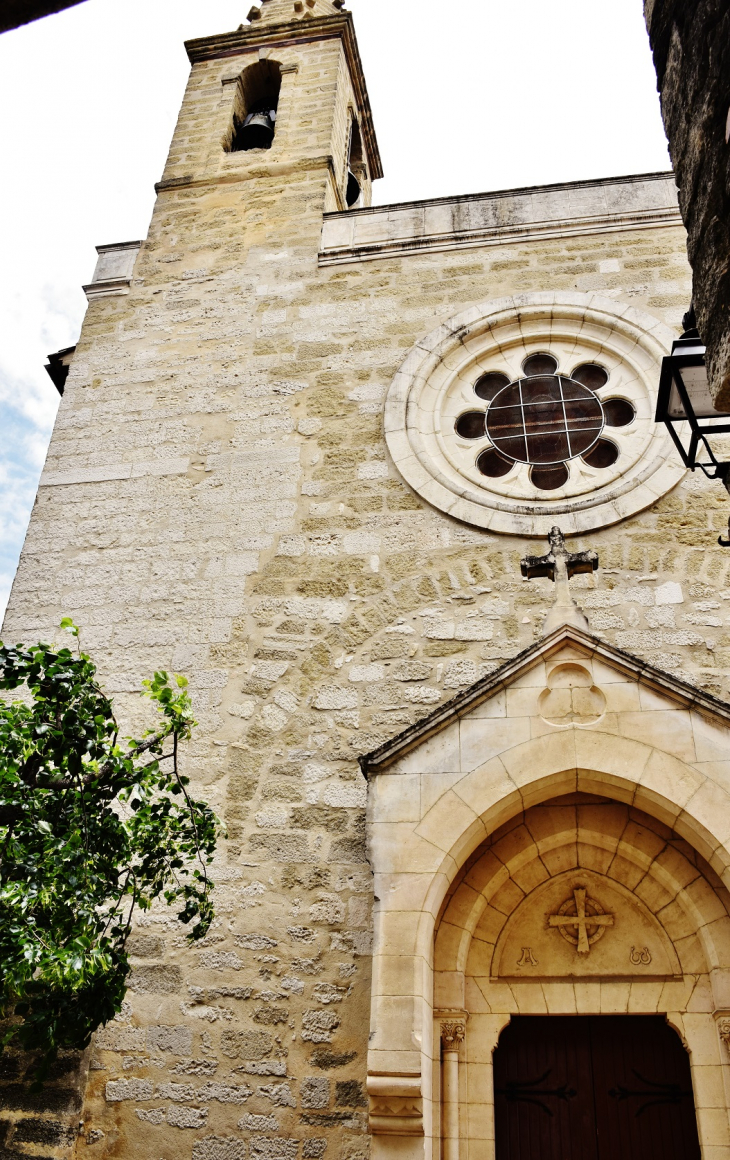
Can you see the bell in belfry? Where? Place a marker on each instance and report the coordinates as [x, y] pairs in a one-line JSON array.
[[257, 131]]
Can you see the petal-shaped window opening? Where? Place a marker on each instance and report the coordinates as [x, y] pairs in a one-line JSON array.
[[471, 425], [590, 375], [489, 385], [619, 412], [540, 364], [493, 465], [604, 454], [549, 478]]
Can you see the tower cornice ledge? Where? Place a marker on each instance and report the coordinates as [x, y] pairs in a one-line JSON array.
[[259, 35], [269, 169]]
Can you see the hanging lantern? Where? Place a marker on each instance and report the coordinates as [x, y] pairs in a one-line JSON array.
[[685, 406]]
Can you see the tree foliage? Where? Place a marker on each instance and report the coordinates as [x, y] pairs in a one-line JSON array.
[[91, 830]]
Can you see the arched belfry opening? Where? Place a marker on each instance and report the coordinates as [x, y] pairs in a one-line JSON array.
[[255, 110]]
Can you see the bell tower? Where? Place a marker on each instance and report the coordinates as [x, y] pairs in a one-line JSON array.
[[280, 104]]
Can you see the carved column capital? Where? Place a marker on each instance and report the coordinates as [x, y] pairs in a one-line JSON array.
[[723, 1029], [452, 1035]]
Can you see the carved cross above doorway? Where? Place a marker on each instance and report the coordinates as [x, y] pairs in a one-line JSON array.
[[580, 914]]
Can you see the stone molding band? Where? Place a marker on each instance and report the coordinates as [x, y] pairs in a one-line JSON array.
[[396, 1104], [500, 236]]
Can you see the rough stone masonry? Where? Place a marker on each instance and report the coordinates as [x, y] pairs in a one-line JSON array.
[[218, 500], [691, 45]]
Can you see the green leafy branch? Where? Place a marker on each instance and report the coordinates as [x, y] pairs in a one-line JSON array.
[[91, 831]]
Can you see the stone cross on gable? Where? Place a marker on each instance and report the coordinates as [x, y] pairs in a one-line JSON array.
[[560, 565]]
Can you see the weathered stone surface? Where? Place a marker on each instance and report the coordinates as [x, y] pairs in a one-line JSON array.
[[219, 1148], [280, 1094], [313, 1148], [156, 980], [315, 1092], [252, 1123], [128, 1089], [274, 1148], [691, 45], [145, 946], [251, 1044], [187, 1117], [349, 1094], [261, 540], [177, 1040], [116, 1037], [318, 1026]]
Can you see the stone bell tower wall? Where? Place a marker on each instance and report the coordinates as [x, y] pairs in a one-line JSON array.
[[322, 86], [219, 500]]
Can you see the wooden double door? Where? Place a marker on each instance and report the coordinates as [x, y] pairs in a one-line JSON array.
[[604, 1087]]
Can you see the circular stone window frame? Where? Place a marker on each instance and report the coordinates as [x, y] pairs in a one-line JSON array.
[[418, 391]]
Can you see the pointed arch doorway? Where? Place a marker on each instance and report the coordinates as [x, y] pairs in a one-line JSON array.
[[593, 1087], [499, 838]]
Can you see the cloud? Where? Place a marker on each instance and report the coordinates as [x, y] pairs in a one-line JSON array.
[[26, 420]]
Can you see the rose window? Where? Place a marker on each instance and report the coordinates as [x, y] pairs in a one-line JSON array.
[[521, 413], [545, 419]]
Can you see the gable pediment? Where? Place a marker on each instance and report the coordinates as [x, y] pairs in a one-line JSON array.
[[569, 680]]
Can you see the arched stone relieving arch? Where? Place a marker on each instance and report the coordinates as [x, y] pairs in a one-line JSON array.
[[435, 806]]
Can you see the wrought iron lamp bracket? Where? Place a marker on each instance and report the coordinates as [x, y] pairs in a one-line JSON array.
[[674, 407]]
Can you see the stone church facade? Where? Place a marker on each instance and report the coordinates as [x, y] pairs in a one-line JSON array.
[[303, 451]]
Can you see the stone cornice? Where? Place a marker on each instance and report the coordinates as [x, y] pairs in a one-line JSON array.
[[505, 216], [255, 36], [500, 236], [684, 695]]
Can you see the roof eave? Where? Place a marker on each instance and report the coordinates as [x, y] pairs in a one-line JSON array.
[[681, 692]]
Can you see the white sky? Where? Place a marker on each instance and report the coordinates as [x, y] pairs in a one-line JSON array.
[[467, 95]]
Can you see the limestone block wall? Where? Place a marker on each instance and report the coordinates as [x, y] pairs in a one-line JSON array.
[[218, 500], [317, 97]]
